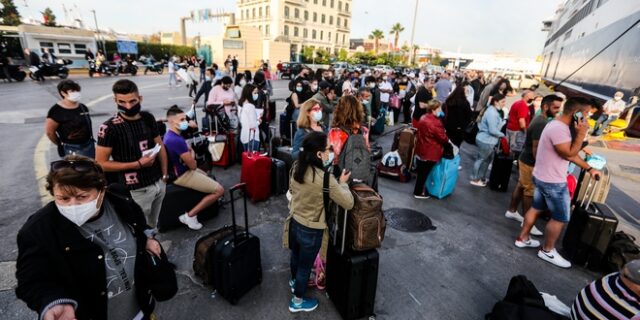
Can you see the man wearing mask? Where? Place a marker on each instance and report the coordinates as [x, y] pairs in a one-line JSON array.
[[325, 96], [612, 110], [385, 91], [374, 106], [186, 169], [302, 75], [127, 150], [524, 191], [223, 94], [423, 96], [518, 122], [556, 149]]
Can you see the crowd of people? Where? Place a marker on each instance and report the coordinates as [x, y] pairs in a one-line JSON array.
[[544, 133]]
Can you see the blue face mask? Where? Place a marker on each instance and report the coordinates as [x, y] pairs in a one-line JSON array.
[[440, 114], [329, 160], [298, 89], [254, 96], [183, 125]]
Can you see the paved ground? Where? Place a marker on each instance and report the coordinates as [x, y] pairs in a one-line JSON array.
[[456, 271]]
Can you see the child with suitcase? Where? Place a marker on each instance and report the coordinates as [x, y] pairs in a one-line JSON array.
[[305, 230]]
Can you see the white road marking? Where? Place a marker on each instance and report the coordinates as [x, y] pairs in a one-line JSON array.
[[414, 299]]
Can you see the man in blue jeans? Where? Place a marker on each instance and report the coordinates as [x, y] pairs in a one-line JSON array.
[[555, 150]]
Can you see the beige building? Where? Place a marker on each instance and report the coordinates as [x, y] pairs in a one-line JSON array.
[[322, 24]]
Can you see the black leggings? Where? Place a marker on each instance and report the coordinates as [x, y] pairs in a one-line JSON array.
[[422, 170]]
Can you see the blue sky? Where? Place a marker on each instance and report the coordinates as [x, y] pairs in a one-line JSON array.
[[478, 26]]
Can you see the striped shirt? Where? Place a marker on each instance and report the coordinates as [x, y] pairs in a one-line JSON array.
[[127, 139], [606, 298]]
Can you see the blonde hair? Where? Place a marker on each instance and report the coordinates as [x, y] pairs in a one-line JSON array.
[[303, 118], [433, 104]]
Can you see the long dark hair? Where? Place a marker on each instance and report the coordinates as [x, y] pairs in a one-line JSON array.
[[312, 143], [247, 94], [496, 89], [457, 97]]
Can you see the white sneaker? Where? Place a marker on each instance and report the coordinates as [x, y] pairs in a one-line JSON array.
[[514, 216], [191, 222], [555, 258], [478, 183], [531, 243], [421, 197], [534, 231]]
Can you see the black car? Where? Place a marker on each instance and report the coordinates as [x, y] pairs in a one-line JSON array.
[[291, 69]]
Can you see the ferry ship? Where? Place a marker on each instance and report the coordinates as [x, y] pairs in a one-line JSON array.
[[593, 48]]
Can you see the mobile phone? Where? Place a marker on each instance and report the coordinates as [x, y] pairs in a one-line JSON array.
[[578, 117]]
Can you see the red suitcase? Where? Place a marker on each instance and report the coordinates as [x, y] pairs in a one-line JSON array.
[[256, 174]]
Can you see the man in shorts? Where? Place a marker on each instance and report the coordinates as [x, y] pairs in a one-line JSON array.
[[551, 105], [184, 166], [518, 122], [556, 149]]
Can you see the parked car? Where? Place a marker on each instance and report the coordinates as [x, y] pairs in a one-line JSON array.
[[291, 69], [522, 80], [383, 68], [339, 67]]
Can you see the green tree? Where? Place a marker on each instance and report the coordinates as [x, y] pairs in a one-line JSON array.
[[395, 30], [376, 35], [342, 55], [9, 13], [48, 17], [307, 54]]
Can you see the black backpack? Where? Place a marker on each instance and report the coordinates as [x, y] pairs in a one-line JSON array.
[[355, 157], [621, 250], [522, 302]]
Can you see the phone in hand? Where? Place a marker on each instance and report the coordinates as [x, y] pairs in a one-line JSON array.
[[578, 117]]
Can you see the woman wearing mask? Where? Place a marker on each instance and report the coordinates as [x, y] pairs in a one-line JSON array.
[[301, 93], [248, 118], [68, 124], [457, 112], [488, 135], [70, 267], [312, 112], [430, 139], [240, 82], [305, 229]]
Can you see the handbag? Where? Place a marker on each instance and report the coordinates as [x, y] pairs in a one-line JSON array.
[[159, 275]]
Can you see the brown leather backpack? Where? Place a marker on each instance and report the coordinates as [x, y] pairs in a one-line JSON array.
[[366, 223]]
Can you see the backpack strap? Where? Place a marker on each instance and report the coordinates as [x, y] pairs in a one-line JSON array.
[[325, 194]]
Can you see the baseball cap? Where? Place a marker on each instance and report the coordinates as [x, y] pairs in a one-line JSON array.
[[631, 271]]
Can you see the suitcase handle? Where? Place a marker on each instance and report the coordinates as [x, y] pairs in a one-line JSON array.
[[590, 192], [272, 131], [232, 191]]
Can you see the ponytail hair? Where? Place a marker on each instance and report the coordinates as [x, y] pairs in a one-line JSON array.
[[312, 143]]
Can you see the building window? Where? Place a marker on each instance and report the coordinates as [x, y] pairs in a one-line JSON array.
[[337, 35], [296, 13], [306, 15], [324, 3], [295, 31], [338, 22], [305, 33], [331, 4], [266, 11], [346, 22], [315, 1], [253, 13], [346, 7], [80, 48], [343, 39], [247, 14], [64, 48], [241, 14], [315, 17], [286, 30], [323, 19], [329, 35], [313, 34], [286, 12], [339, 5], [321, 35], [48, 45], [331, 20], [266, 30]]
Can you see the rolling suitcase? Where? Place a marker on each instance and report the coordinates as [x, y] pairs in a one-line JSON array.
[[404, 142], [279, 177], [287, 129], [601, 193], [203, 252], [284, 154], [500, 172], [443, 177], [589, 231], [237, 265], [256, 173], [177, 201], [352, 276]]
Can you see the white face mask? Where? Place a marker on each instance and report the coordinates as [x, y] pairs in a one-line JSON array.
[[242, 82], [317, 116], [617, 98], [80, 213], [74, 96]]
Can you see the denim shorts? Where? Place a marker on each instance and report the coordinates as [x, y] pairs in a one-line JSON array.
[[553, 197]]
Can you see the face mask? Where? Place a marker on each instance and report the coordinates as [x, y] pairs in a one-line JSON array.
[[130, 112], [317, 116], [225, 88], [80, 213], [298, 89], [183, 125], [74, 96], [207, 78], [529, 101], [617, 98], [440, 114], [314, 87], [365, 102], [329, 160], [372, 85], [243, 83], [254, 96]]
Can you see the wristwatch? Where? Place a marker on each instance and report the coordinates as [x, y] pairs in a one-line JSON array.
[[165, 177]]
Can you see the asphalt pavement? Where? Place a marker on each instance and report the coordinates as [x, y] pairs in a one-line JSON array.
[[456, 271]]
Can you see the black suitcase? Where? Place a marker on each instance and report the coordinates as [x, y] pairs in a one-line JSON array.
[[279, 177], [177, 201], [272, 111], [500, 172], [236, 258], [589, 231], [352, 277], [284, 154]]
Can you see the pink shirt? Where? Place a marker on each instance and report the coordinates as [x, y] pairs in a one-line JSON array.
[[217, 95], [551, 167]]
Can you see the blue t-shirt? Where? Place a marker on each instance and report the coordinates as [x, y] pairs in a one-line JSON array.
[[443, 88], [176, 145]]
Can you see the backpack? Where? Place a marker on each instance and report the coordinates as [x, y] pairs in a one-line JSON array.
[[523, 301], [621, 250], [392, 159], [355, 157], [366, 224]]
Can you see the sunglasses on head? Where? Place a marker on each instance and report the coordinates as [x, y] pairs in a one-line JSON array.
[[77, 165]]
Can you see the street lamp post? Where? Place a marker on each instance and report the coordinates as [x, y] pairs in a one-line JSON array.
[[413, 31], [95, 19]]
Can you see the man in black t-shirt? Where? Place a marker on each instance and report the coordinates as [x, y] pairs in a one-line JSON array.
[[129, 138], [424, 95]]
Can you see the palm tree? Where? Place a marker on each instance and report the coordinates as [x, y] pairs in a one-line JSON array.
[[395, 30], [376, 35]]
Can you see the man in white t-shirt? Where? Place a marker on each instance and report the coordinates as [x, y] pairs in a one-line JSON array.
[[555, 150], [385, 91], [612, 110]]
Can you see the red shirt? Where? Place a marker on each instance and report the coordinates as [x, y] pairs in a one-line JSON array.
[[519, 110]]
